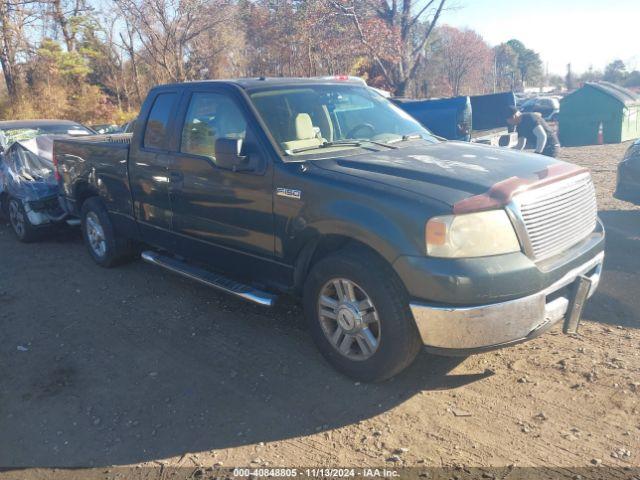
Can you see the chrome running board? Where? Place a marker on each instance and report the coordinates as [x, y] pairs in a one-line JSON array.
[[210, 279]]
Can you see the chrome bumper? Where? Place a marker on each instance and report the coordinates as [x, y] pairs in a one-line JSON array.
[[501, 324]]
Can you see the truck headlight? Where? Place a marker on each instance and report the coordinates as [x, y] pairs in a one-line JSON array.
[[471, 235]]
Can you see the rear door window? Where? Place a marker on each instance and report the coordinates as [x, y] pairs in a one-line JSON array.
[[156, 132]]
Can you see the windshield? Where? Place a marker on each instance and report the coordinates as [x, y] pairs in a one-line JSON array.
[[314, 119], [10, 135]]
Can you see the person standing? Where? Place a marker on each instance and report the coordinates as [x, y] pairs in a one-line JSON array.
[[537, 132]]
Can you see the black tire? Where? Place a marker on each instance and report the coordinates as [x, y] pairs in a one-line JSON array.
[[399, 341], [4, 207], [20, 224], [114, 249]]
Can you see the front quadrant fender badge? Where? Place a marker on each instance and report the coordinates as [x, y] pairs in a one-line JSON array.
[[289, 193]]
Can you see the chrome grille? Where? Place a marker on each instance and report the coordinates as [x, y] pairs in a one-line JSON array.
[[557, 216]]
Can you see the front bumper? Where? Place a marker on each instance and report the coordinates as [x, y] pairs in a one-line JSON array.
[[44, 211], [462, 330]]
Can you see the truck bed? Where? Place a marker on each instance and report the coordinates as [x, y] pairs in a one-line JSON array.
[[95, 164]]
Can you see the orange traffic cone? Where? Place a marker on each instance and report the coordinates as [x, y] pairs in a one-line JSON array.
[[600, 134]]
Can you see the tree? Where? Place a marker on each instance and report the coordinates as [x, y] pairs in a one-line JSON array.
[[68, 15], [506, 67], [464, 55], [555, 81], [15, 17], [633, 79], [167, 29], [529, 63], [105, 60], [10, 39], [57, 80], [615, 72], [375, 20], [591, 75], [128, 45]]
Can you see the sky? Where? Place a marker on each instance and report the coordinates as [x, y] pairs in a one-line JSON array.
[[581, 32]]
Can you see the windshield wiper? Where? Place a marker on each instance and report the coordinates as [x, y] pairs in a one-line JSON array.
[[382, 144], [406, 138], [350, 143], [337, 143]]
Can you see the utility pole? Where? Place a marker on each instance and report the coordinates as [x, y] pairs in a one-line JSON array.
[[495, 72], [546, 76]]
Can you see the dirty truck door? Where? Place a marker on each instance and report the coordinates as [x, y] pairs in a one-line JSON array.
[[149, 170], [221, 217]]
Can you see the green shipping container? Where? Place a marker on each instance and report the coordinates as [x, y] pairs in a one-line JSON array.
[[583, 111]]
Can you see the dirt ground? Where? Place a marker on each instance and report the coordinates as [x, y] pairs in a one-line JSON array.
[[134, 366]]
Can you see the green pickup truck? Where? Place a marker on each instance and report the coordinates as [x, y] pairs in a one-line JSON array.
[[322, 189]]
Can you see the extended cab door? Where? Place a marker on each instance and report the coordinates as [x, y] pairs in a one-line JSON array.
[[149, 168], [222, 217]]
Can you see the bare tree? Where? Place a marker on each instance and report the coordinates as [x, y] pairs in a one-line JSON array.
[[506, 67], [106, 60], [65, 14], [219, 51], [464, 54], [127, 42], [10, 37], [376, 19], [15, 17], [167, 28]]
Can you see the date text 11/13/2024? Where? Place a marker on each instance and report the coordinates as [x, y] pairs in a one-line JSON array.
[[317, 472]]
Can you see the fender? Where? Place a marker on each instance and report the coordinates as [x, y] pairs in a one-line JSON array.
[[82, 190], [375, 228]]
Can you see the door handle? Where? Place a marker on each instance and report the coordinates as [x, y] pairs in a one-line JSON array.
[[175, 177]]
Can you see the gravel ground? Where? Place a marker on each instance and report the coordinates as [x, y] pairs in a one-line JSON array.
[[136, 367]]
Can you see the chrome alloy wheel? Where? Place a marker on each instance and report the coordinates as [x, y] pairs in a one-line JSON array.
[[16, 217], [95, 234], [349, 319]]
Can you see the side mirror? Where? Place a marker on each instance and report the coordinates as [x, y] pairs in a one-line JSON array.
[[228, 155]]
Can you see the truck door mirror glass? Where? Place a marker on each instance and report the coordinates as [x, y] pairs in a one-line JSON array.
[[228, 154]]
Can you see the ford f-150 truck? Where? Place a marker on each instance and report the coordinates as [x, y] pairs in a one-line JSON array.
[[325, 190]]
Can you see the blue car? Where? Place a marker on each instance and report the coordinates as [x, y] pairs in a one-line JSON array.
[[628, 182], [28, 187]]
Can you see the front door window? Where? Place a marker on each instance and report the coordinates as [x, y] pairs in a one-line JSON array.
[[211, 116]]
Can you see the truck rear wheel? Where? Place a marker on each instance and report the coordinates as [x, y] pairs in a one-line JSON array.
[[105, 247], [358, 314]]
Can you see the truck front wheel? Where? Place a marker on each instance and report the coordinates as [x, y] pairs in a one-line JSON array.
[[105, 247], [358, 314]]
